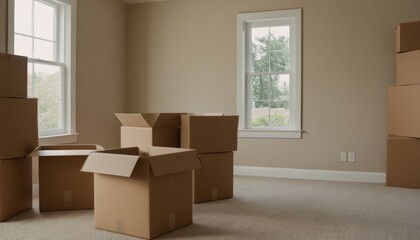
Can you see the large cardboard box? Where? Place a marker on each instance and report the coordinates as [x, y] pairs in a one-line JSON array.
[[18, 127], [143, 195], [61, 184], [15, 186], [404, 111], [209, 134], [149, 129], [403, 163], [408, 68], [214, 180], [407, 37], [13, 76]]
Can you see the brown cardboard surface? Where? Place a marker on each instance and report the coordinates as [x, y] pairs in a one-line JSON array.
[[155, 120], [144, 137], [214, 180], [13, 76], [144, 205], [18, 127], [408, 68], [403, 163], [61, 184], [407, 37], [209, 134], [15, 186], [404, 111]]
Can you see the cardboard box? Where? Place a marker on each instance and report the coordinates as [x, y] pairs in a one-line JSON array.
[[403, 163], [209, 134], [15, 186], [214, 180], [143, 195], [407, 37], [149, 129], [404, 111], [18, 127], [13, 76], [61, 184], [408, 68]]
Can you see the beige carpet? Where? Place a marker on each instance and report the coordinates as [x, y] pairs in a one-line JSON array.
[[263, 208]]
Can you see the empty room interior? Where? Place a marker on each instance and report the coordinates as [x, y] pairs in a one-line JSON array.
[[209, 119]]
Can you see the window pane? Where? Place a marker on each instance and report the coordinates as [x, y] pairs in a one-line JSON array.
[[49, 115], [44, 21], [280, 37], [260, 87], [23, 17], [47, 82], [279, 61], [280, 87], [259, 38], [279, 117], [23, 46], [44, 50], [260, 113]]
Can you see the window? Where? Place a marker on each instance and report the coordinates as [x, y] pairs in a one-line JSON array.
[[269, 74], [44, 31]]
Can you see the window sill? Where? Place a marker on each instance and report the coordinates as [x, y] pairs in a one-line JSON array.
[[286, 134], [58, 139]]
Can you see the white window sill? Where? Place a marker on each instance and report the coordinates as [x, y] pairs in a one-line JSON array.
[[58, 139], [287, 134]]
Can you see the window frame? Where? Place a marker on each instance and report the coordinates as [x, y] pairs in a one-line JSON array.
[[66, 17], [243, 91]]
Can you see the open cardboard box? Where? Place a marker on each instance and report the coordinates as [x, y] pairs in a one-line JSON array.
[[15, 186], [61, 184], [209, 133], [18, 127], [149, 129], [142, 194], [13, 76]]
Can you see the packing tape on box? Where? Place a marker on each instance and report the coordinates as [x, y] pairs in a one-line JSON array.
[[68, 201], [171, 221], [119, 226], [214, 194]]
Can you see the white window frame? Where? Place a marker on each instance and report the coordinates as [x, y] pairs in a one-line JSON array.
[[243, 91], [70, 18]]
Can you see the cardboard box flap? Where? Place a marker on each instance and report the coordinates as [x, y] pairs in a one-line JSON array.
[[110, 164], [65, 150], [149, 119], [171, 160]]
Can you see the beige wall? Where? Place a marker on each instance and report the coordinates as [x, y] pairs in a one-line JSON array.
[[3, 25], [182, 57]]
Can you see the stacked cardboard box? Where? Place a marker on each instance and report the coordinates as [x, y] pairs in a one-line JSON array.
[[61, 184], [215, 139], [403, 163], [142, 194], [19, 136]]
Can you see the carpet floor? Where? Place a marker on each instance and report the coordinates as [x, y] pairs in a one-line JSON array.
[[263, 208]]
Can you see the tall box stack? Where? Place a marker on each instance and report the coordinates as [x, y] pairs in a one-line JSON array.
[[403, 153], [214, 138], [19, 136], [149, 129]]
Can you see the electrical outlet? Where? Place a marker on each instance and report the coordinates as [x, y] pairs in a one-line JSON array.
[[343, 157], [351, 157]]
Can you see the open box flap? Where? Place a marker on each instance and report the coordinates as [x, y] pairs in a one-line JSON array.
[[149, 119]]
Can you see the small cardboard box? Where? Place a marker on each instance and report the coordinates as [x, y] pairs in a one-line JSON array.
[[61, 184], [149, 129], [214, 180], [18, 127], [13, 76], [143, 195], [408, 68], [407, 37], [403, 163], [15, 186], [209, 134], [404, 111]]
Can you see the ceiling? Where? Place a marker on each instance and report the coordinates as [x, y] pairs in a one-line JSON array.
[[142, 1]]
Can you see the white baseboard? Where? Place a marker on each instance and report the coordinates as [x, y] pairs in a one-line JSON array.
[[311, 174], [35, 190]]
